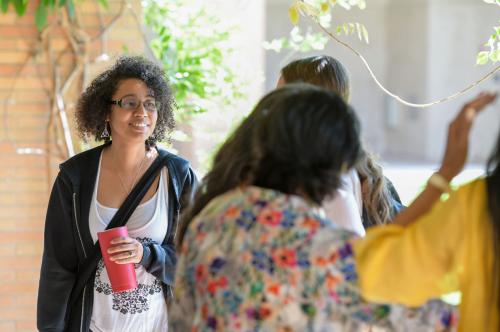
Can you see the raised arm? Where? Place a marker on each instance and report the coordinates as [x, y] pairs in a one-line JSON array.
[[457, 147]]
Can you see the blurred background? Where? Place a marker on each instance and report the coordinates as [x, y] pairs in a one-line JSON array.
[[221, 57]]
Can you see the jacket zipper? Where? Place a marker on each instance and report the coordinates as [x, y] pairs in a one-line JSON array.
[[76, 223], [84, 254], [176, 223], [175, 235], [83, 308]]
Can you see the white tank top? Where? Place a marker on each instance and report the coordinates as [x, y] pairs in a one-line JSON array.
[[346, 208], [143, 309]]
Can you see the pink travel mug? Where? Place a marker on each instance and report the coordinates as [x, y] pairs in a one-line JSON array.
[[121, 276]]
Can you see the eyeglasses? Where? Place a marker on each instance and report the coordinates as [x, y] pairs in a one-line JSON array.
[[133, 103]]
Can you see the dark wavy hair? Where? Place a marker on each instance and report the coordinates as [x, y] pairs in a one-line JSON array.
[[94, 104], [297, 140], [493, 185], [329, 73]]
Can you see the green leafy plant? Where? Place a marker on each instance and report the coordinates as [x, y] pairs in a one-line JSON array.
[[493, 53], [44, 8], [298, 41], [193, 45], [319, 10]]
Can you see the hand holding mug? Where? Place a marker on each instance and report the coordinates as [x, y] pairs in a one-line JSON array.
[[124, 250]]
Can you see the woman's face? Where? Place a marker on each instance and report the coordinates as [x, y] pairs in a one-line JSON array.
[[134, 113]]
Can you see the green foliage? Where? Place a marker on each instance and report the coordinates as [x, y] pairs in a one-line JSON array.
[[20, 6], [103, 3], [493, 54], [353, 28], [41, 16], [321, 11], [193, 44], [44, 8], [298, 41]]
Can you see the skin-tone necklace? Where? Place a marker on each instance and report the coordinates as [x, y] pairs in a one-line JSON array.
[[124, 187]]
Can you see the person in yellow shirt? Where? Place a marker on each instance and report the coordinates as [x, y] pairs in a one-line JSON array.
[[438, 246]]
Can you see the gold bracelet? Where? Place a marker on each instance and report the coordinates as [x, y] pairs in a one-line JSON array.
[[439, 182]]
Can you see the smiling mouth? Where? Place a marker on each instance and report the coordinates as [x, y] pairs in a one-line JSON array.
[[139, 125]]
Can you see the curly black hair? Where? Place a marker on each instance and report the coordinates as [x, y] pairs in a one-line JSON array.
[[94, 104]]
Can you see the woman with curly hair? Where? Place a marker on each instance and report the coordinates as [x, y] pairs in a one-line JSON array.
[[129, 107], [366, 198], [255, 251]]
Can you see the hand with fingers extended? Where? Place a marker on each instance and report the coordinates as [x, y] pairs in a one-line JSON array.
[[124, 250], [457, 144], [453, 162]]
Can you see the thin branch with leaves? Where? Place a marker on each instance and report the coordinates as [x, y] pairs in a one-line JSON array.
[[308, 9]]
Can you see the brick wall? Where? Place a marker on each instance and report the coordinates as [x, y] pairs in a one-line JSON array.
[[25, 179]]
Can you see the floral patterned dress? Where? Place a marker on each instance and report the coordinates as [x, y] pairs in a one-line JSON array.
[[259, 260]]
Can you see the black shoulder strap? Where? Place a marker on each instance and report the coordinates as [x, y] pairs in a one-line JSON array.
[[88, 266], [134, 198]]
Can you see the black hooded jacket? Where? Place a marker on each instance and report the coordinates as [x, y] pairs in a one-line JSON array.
[[68, 240]]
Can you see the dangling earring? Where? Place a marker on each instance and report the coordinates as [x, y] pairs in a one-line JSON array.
[[105, 132]]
